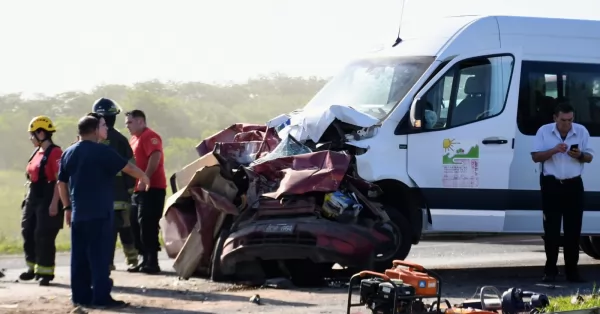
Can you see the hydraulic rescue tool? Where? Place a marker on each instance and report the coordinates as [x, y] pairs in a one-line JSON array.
[[515, 301]]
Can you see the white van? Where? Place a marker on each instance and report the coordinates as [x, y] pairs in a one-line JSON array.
[[486, 85]]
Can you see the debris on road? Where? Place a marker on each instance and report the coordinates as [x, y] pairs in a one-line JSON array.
[[255, 299], [278, 283]]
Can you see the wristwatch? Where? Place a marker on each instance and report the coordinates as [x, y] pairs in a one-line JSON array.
[[581, 156], [68, 207]]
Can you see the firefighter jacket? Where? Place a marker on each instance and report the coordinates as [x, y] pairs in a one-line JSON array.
[[124, 183]]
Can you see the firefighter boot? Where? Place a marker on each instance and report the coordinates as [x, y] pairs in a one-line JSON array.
[[45, 279], [28, 275], [151, 266]]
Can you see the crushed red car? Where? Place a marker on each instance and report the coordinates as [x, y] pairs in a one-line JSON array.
[[255, 206]]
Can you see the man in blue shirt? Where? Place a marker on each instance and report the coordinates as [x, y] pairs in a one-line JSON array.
[[86, 186]]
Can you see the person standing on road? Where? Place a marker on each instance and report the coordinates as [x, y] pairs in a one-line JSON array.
[[42, 219], [148, 201], [562, 148], [124, 184], [86, 186]]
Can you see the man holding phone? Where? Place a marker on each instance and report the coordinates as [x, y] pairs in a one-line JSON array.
[[562, 149]]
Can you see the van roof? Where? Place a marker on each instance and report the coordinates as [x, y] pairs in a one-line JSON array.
[[538, 37]]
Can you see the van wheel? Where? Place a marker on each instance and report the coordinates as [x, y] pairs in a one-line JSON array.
[[399, 229], [586, 246], [594, 246]]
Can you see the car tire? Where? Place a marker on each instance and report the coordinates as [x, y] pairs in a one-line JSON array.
[[593, 250], [216, 274], [403, 249]]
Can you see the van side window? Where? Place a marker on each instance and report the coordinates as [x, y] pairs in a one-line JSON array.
[[546, 84], [470, 91]]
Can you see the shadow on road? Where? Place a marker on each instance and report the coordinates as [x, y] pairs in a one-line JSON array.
[[462, 283], [151, 309], [487, 239], [201, 296]]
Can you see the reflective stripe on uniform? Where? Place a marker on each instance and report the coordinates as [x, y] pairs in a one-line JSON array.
[[30, 265], [44, 270], [119, 205], [131, 254]]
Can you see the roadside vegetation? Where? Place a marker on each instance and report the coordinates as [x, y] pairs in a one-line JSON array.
[[574, 302], [183, 113]]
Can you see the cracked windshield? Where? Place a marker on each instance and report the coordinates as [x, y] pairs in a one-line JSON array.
[[372, 86]]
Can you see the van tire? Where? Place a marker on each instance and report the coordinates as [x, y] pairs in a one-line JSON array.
[[400, 222], [585, 244], [594, 247]]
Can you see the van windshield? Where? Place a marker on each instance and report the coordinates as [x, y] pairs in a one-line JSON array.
[[373, 86]]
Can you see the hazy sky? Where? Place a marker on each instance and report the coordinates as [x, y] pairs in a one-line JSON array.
[[60, 45]]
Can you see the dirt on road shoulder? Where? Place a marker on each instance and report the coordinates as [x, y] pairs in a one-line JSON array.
[[165, 293]]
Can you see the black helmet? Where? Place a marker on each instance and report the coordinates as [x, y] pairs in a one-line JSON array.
[[106, 107]]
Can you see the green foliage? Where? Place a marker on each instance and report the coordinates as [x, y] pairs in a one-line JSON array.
[[182, 113], [565, 303]]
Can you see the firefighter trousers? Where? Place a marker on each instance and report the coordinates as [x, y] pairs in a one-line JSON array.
[[123, 230], [39, 232], [146, 212]]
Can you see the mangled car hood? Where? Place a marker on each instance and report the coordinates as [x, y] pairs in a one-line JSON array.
[[312, 123]]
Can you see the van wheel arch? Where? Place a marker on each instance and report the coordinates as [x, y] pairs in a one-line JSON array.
[[408, 201]]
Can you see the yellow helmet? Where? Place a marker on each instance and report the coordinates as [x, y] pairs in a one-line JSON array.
[[41, 122]]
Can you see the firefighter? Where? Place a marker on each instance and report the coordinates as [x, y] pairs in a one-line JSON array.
[[124, 183], [42, 211]]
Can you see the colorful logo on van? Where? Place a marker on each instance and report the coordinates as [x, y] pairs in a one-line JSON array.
[[460, 164]]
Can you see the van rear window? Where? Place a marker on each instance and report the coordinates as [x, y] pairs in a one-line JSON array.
[[544, 85]]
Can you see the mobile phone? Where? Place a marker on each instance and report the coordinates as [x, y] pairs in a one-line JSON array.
[[574, 147]]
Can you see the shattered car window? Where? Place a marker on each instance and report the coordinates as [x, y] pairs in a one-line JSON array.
[[288, 147], [372, 86]]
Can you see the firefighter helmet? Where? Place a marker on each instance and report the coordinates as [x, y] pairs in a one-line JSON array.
[[106, 107], [41, 122]]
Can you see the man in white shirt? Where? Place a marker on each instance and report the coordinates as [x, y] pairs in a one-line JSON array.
[[562, 148]]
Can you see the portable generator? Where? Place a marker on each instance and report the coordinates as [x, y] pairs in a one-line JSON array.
[[385, 295]]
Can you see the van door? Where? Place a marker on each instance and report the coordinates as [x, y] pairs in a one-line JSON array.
[[460, 157]]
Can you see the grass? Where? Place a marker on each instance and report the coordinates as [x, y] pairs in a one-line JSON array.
[[12, 191], [560, 304], [565, 303]]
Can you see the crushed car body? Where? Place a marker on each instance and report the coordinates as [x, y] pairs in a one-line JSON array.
[[267, 200]]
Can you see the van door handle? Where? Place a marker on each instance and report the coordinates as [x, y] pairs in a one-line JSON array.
[[494, 140]]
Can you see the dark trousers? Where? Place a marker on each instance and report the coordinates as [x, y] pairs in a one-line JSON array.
[[146, 211], [39, 232], [122, 230], [562, 201], [90, 261]]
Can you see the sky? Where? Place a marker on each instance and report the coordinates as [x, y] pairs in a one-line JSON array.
[[62, 45]]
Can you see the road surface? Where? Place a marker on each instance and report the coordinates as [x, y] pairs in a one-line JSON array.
[[463, 263]]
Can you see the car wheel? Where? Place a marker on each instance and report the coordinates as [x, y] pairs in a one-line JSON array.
[[216, 273], [594, 248], [400, 230]]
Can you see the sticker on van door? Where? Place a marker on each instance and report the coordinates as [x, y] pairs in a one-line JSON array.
[[460, 163]]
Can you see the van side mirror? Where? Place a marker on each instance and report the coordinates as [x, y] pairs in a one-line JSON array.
[[417, 113]]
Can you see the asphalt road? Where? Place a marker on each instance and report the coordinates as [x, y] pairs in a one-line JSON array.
[[438, 253], [463, 263]]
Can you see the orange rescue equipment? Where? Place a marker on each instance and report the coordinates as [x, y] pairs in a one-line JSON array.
[[414, 275]]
